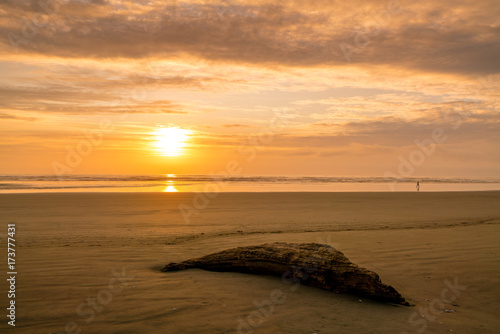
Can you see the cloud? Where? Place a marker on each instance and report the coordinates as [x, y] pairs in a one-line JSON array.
[[70, 100], [351, 78], [422, 36], [236, 126], [17, 118], [387, 133]]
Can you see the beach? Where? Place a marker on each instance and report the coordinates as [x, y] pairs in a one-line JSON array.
[[91, 262]]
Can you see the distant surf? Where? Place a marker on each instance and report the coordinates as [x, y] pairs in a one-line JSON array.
[[174, 183]]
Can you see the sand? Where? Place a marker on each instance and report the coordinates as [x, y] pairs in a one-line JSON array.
[[90, 263]]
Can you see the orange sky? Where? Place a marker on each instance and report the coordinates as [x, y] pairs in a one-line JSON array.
[[281, 87]]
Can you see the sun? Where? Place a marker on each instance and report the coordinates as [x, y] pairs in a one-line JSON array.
[[170, 142]]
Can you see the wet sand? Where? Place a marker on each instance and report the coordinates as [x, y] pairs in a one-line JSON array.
[[91, 262]]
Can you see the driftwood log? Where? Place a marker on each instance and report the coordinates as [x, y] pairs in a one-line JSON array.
[[311, 264]]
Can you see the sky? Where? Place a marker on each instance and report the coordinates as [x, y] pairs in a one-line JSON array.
[[336, 88]]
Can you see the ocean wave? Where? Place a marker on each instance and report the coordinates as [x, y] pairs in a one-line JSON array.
[[11, 186], [15, 180]]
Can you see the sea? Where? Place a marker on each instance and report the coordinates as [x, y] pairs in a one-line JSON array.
[[218, 183]]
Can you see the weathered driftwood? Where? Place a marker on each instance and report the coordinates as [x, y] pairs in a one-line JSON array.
[[310, 264]]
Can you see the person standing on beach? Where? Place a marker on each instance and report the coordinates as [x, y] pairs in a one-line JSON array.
[[418, 185]]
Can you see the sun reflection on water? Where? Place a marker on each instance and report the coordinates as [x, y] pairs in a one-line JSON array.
[[170, 189], [170, 184]]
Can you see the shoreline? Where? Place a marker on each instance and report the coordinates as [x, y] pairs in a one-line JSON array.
[[250, 192]]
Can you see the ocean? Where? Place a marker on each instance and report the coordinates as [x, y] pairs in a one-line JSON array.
[[215, 184]]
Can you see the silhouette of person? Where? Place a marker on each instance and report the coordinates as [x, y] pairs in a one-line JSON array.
[[418, 185]]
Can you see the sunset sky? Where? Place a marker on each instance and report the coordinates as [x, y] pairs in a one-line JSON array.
[[282, 87]]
